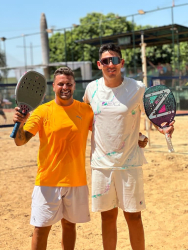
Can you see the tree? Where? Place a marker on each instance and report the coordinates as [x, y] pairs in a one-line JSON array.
[[180, 51], [64, 46], [2, 64]]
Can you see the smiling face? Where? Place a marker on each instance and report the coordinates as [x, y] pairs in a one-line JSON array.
[[64, 86], [110, 71]]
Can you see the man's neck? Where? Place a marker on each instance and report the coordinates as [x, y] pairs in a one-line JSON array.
[[112, 83], [64, 102]]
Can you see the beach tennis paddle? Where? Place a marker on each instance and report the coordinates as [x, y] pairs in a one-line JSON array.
[[160, 108], [29, 93]]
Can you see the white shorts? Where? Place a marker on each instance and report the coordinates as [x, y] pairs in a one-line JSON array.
[[118, 188], [51, 204]]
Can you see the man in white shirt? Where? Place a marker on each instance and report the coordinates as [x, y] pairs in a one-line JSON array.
[[116, 158]]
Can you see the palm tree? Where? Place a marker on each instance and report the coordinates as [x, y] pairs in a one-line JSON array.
[[2, 64]]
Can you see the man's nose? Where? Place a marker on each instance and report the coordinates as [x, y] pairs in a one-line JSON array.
[[64, 86], [111, 64]]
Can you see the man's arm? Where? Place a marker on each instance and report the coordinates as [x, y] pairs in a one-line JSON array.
[[22, 136]]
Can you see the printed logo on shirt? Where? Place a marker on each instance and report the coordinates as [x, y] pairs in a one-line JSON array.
[[79, 117], [46, 122], [111, 103]]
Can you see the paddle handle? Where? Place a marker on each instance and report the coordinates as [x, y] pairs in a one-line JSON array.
[[168, 141], [15, 130]]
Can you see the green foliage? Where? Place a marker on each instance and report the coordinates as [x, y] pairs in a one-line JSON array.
[[64, 46], [180, 51], [160, 54]]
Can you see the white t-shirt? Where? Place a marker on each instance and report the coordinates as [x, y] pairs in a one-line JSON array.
[[117, 112]]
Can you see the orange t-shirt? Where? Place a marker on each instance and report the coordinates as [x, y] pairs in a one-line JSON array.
[[63, 132]]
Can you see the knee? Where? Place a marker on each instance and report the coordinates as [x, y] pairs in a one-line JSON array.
[[109, 216], [68, 224], [133, 217], [41, 232]]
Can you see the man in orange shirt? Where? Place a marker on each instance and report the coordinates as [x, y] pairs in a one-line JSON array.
[[60, 191]]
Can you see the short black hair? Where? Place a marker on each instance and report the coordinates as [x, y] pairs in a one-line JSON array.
[[64, 71], [110, 46]]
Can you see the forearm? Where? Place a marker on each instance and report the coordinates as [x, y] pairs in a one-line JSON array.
[[22, 137], [169, 130]]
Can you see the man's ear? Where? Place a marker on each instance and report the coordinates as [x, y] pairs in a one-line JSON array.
[[122, 63], [99, 65]]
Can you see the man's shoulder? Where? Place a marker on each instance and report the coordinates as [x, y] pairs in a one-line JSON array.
[[82, 104], [48, 104], [133, 82], [44, 106], [94, 83], [85, 108]]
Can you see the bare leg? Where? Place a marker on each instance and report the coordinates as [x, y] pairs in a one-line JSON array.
[[136, 231], [4, 116], [68, 235], [40, 236], [109, 229]]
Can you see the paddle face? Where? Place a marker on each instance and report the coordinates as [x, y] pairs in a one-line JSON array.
[[160, 105], [29, 93]]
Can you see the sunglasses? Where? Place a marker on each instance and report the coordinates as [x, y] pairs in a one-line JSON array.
[[106, 61]]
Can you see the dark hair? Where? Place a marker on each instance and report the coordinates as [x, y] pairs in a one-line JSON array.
[[64, 71], [109, 46]]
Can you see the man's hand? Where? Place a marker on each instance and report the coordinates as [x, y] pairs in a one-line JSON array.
[[22, 137], [168, 130], [143, 140], [18, 117]]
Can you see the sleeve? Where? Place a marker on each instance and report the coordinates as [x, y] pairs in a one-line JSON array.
[[89, 116], [91, 119], [34, 122]]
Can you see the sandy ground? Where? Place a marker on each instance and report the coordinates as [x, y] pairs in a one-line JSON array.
[[166, 189]]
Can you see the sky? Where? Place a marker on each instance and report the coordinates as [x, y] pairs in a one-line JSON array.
[[23, 17]]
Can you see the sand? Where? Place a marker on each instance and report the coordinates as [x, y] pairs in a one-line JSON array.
[[166, 191]]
